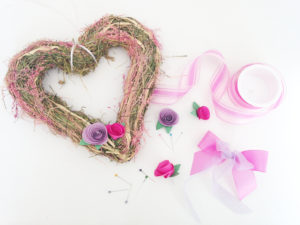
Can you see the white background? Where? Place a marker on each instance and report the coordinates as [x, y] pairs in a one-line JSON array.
[[47, 179]]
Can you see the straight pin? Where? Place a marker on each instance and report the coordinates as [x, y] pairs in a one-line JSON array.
[[121, 178], [175, 56], [179, 136], [172, 143], [164, 141], [146, 176], [127, 197], [118, 190]]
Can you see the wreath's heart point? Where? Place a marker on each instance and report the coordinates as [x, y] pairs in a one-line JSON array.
[[27, 69]]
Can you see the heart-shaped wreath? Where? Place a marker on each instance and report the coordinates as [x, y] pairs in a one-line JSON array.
[[27, 69]]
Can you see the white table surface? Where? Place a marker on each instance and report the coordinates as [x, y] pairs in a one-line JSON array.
[[47, 179]]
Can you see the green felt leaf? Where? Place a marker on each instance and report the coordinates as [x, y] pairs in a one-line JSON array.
[[82, 142], [98, 146], [194, 113], [195, 106], [174, 174], [123, 124], [168, 129], [159, 125], [176, 169]]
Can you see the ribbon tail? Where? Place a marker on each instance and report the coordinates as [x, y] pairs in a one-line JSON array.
[[258, 158], [244, 181], [228, 199]]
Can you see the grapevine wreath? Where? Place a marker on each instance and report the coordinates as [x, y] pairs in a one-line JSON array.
[[28, 68]]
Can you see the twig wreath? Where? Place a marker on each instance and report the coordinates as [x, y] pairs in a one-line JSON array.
[[27, 69]]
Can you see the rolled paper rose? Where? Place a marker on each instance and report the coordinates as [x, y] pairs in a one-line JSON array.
[[115, 130], [167, 169], [203, 113], [168, 117], [95, 134]]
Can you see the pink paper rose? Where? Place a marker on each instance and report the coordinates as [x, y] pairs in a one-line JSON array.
[[203, 113], [115, 130], [166, 169]]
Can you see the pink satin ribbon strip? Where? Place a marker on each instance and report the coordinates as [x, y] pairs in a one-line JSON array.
[[229, 104], [214, 152]]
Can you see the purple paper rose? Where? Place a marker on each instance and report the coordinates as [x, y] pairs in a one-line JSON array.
[[95, 134], [168, 117]]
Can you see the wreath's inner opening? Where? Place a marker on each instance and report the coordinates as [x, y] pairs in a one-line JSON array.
[[98, 93]]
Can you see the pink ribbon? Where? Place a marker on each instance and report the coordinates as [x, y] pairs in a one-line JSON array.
[[214, 152], [229, 105]]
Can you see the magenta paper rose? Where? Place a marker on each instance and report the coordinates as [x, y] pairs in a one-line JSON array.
[[166, 169], [115, 130], [167, 119], [202, 112], [94, 134]]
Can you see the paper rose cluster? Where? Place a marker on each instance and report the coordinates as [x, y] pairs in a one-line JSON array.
[[97, 133]]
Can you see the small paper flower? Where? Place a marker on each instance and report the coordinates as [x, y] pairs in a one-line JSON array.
[[166, 169], [202, 112], [167, 119], [94, 134], [115, 130]]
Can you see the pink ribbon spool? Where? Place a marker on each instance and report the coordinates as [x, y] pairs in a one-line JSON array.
[[259, 85], [252, 91]]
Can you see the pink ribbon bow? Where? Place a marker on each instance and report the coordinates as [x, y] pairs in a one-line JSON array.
[[214, 152]]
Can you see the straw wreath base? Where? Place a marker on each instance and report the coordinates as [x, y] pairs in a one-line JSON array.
[[27, 69]]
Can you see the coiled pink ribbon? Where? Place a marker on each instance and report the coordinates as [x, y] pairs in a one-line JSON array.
[[229, 104], [242, 164]]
